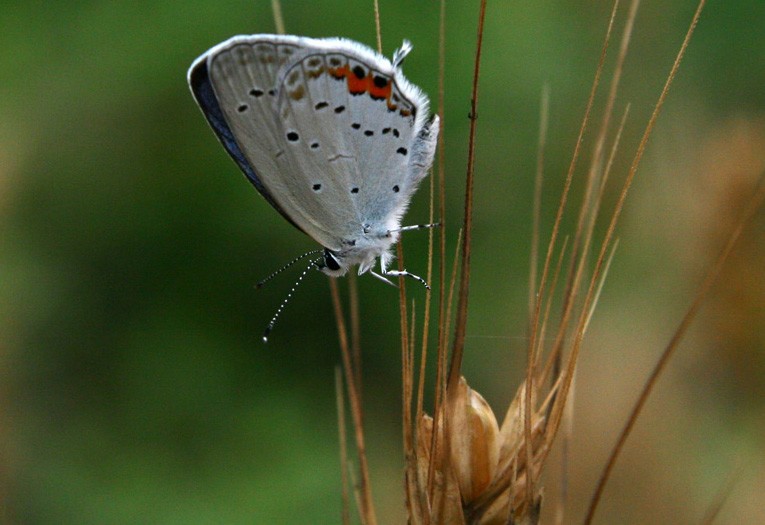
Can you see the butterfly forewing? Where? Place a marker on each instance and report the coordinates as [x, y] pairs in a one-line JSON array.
[[244, 76]]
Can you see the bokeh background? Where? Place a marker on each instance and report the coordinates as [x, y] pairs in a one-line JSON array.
[[133, 384]]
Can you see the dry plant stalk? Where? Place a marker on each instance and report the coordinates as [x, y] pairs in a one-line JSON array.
[[462, 465]]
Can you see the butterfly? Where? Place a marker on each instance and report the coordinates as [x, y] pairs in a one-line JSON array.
[[330, 133]]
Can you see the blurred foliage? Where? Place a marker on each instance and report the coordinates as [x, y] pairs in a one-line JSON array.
[[135, 388]]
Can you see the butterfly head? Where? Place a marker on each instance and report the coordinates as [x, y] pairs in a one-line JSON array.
[[334, 264]]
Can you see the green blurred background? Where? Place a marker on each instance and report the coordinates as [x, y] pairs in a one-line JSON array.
[[134, 386]]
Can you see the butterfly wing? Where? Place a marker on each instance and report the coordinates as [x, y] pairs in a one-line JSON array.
[[330, 132], [212, 106]]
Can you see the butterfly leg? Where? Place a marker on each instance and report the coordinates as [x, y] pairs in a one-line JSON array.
[[404, 273], [415, 227], [383, 279]]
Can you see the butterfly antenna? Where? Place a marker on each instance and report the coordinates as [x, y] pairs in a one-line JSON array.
[[288, 265], [271, 324]]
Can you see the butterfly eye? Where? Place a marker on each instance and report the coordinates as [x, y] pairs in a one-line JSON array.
[[330, 261]]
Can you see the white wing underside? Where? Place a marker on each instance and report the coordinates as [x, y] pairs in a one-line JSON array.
[[340, 165]]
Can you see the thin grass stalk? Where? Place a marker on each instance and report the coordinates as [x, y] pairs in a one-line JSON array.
[[378, 32], [543, 375], [462, 306], [341, 430], [714, 272], [407, 381], [536, 213], [443, 317], [549, 368], [441, 374], [537, 199], [548, 308], [428, 297], [276, 8], [426, 315], [353, 299], [412, 344], [366, 504], [612, 155], [568, 431], [443, 311], [601, 283], [402, 298], [530, 352], [441, 163]]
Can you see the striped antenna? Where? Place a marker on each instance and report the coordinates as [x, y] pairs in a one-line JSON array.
[[314, 264], [289, 264]]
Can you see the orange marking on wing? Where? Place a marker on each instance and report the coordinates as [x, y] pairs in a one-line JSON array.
[[358, 85], [339, 72], [379, 92]]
